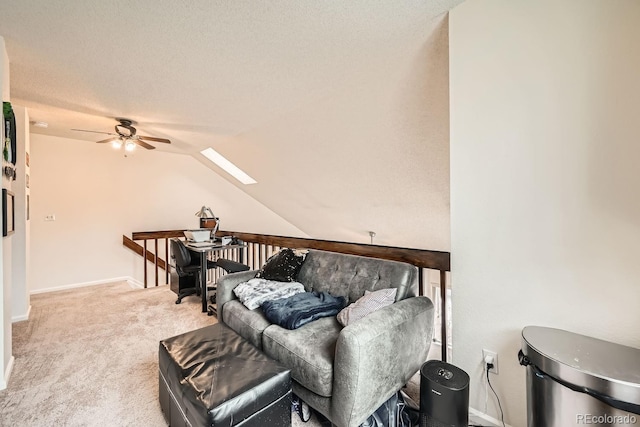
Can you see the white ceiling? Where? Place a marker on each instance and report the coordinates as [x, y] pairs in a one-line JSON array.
[[211, 73], [211, 68]]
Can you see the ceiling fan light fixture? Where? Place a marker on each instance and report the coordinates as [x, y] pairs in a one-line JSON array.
[[126, 135], [129, 145]]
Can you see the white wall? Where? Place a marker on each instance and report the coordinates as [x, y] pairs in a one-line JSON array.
[[545, 211], [6, 358], [371, 153], [20, 241], [97, 195]]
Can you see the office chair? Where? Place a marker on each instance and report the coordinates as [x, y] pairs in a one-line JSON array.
[[185, 267], [229, 267]]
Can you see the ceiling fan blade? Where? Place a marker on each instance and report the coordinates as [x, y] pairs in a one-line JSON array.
[[145, 145], [94, 131], [106, 140], [151, 138]]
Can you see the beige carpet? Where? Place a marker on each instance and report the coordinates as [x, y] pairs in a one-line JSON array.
[[89, 357]]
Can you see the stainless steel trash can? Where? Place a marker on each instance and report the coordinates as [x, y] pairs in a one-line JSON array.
[[575, 380]]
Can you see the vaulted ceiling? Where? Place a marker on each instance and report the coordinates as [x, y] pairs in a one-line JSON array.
[[338, 109]]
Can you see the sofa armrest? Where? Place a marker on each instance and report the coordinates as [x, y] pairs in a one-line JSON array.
[[225, 286], [377, 355]]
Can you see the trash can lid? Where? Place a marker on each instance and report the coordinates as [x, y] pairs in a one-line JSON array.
[[605, 367]]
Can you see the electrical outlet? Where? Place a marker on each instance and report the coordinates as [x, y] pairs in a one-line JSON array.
[[50, 217], [493, 356]]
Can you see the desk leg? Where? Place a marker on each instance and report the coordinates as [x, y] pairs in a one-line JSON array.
[[203, 280]]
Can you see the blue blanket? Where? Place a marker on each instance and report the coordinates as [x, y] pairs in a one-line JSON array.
[[300, 309]]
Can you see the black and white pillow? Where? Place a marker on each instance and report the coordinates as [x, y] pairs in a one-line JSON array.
[[283, 266]]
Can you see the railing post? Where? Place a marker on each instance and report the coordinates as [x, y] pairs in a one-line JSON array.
[[443, 313], [166, 259], [156, 260], [144, 258]]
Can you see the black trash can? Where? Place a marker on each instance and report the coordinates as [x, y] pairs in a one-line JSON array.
[[444, 395], [575, 380]]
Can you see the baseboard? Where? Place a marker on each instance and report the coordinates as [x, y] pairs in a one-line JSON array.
[[132, 282], [7, 373], [135, 283], [23, 317], [486, 418]]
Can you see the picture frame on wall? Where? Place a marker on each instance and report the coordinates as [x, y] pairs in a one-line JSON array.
[[8, 213]]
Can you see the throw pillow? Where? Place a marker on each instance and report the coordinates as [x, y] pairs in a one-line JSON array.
[[283, 266], [370, 302]]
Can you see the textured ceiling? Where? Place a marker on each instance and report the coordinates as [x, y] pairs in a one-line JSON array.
[[189, 70], [355, 91]]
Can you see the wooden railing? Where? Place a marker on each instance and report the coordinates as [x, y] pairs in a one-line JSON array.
[[153, 257], [261, 246]]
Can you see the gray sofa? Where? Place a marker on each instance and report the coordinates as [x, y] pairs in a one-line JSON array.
[[344, 373]]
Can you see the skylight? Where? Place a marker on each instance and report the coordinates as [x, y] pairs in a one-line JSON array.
[[228, 167]]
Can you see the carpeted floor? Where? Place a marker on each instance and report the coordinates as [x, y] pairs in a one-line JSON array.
[[89, 357]]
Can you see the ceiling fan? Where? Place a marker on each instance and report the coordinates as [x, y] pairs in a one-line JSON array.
[[126, 135]]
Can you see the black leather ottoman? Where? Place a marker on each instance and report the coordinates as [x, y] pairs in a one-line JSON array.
[[213, 377]]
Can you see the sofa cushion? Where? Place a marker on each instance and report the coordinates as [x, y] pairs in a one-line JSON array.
[[249, 324], [308, 351], [351, 275]]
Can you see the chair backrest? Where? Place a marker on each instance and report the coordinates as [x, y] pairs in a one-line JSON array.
[[180, 253]]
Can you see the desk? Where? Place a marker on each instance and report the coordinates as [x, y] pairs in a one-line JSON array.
[[203, 252]]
